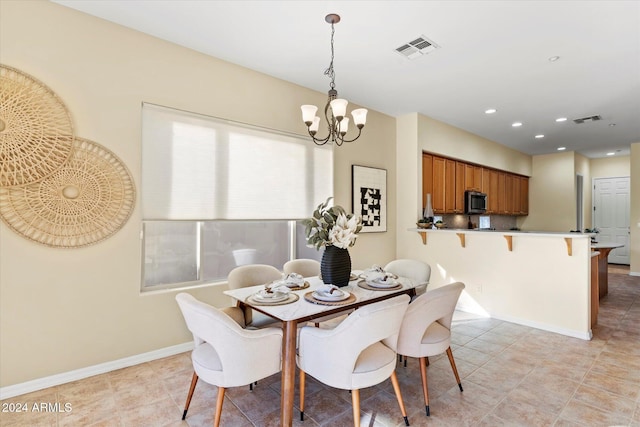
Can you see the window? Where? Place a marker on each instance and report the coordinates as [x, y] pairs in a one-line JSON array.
[[217, 194]]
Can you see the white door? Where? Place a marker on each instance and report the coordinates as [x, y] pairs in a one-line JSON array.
[[611, 215]]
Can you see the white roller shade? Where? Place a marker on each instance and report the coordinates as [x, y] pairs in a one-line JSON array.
[[196, 167]]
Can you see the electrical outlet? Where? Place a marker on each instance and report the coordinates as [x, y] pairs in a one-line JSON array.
[[479, 289]]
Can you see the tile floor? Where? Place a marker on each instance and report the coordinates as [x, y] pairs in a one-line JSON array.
[[512, 376]]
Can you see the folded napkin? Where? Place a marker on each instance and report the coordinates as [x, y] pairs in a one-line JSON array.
[[293, 279], [332, 290], [272, 290], [377, 274]]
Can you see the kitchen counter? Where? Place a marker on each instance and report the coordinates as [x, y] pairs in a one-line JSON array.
[[509, 235], [538, 279]]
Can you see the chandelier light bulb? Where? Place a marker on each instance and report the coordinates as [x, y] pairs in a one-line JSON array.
[[343, 126], [308, 113], [339, 108], [359, 117], [315, 125]]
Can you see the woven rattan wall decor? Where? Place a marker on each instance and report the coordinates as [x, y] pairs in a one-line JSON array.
[[36, 132], [84, 201]]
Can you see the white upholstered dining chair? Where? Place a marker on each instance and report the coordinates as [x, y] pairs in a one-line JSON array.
[[418, 271], [304, 267], [224, 354], [252, 275], [426, 330], [357, 353]]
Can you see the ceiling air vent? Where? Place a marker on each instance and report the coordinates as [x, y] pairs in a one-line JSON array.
[[587, 119], [416, 48]]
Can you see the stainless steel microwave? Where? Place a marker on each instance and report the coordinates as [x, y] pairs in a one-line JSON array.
[[475, 202]]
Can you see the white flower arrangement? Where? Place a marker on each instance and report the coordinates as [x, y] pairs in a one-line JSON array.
[[332, 226]]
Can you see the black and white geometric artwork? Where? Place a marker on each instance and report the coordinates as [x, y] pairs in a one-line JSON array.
[[370, 197]]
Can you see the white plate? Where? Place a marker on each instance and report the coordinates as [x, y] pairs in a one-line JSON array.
[[274, 297], [342, 295], [386, 283]]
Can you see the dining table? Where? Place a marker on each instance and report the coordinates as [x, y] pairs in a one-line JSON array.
[[300, 307]]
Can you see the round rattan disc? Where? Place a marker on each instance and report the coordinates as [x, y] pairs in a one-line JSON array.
[[36, 132], [83, 202]]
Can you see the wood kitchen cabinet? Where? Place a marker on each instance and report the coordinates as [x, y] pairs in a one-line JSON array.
[[486, 181], [472, 177], [450, 186], [524, 195], [447, 180], [427, 178], [437, 199], [490, 188], [501, 193], [509, 190], [460, 187]]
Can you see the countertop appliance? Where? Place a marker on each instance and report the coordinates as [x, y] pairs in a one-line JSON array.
[[475, 202]]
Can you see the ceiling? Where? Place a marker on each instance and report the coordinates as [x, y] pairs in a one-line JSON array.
[[492, 54]]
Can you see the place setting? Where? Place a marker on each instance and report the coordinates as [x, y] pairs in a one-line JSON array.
[[329, 295], [376, 279], [273, 294], [293, 281]]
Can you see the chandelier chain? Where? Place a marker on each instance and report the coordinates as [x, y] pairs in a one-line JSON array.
[[329, 72]]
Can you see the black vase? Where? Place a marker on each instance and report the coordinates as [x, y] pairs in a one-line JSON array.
[[335, 266]]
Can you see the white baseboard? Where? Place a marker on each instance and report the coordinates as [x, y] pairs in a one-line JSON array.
[[78, 374], [634, 273], [524, 322], [587, 335]]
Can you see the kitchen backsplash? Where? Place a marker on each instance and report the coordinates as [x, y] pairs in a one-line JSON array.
[[496, 222]]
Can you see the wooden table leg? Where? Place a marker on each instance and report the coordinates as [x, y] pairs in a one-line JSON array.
[[603, 264], [287, 392]]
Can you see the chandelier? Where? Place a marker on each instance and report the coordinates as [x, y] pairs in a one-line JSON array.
[[336, 108]]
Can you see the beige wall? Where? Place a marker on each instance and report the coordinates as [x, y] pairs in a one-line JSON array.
[[62, 310], [440, 138], [551, 194], [609, 167]]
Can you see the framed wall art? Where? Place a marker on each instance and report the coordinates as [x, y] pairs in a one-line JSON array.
[[369, 194]]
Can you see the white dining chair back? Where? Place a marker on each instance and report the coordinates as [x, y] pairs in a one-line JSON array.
[[303, 266], [357, 353], [224, 354], [418, 271], [426, 329], [252, 275]]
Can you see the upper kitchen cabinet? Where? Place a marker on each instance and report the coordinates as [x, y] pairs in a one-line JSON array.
[[460, 187], [450, 204], [427, 178], [472, 177], [447, 180], [524, 195], [438, 179]]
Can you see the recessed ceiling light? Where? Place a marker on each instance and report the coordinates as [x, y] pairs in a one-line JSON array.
[[611, 125], [490, 111], [539, 136], [611, 154], [561, 119], [562, 148], [516, 124], [554, 58]]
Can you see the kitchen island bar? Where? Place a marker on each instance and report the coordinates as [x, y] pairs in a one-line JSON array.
[[537, 279]]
